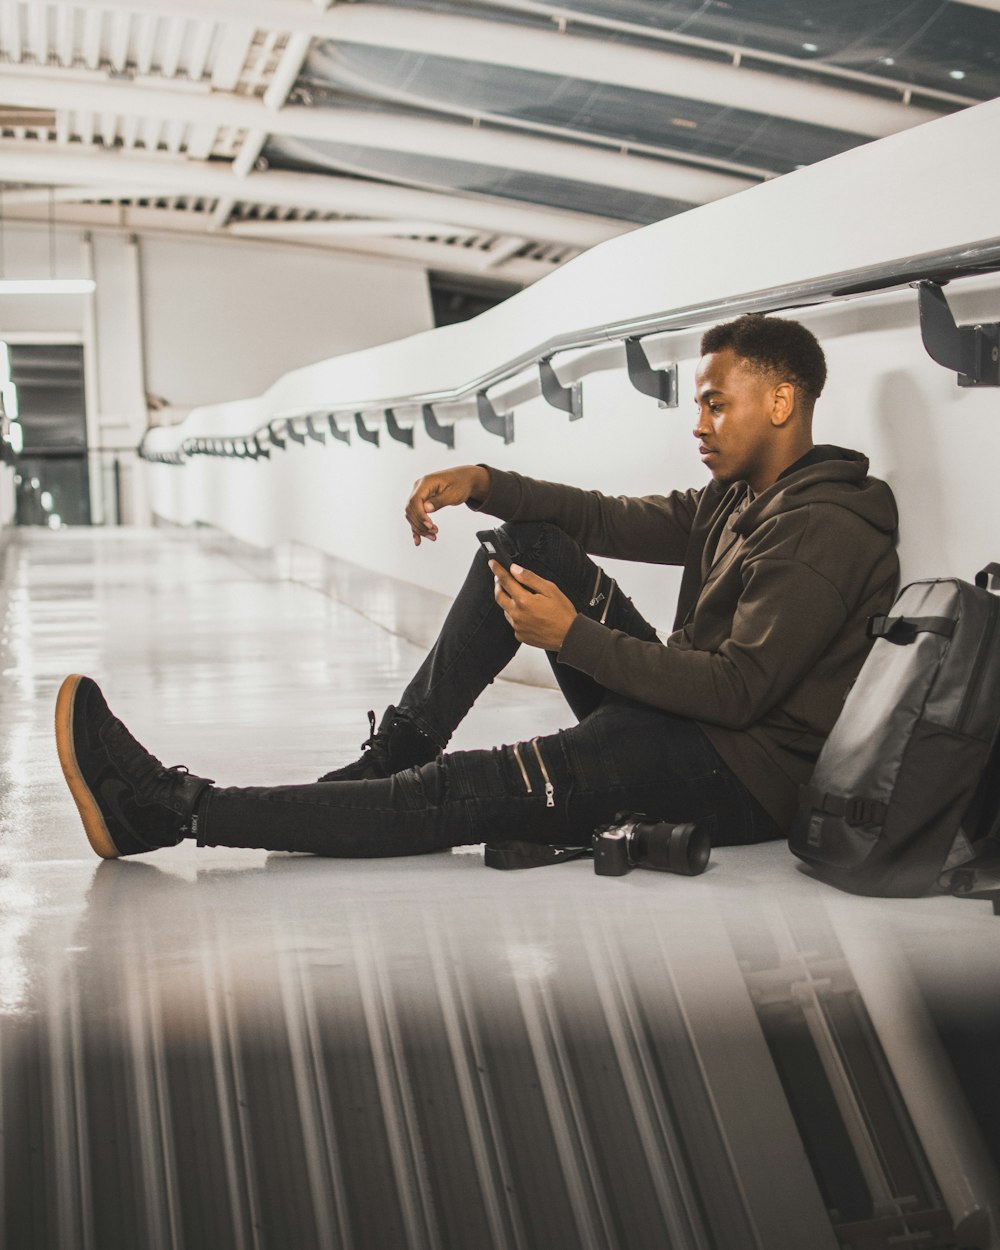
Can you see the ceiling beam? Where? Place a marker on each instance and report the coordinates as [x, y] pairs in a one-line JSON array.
[[396, 132], [355, 227], [26, 196], [275, 97], [663, 71], [759, 58], [496, 261], [48, 165]]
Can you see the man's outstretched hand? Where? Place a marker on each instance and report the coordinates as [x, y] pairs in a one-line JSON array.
[[537, 610], [443, 490]]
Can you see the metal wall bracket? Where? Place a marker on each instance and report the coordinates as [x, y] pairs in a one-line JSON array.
[[342, 436], [369, 436], [400, 433], [660, 383], [439, 433], [263, 453], [273, 437], [318, 436], [499, 423], [293, 433], [973, 351], [568, 398]]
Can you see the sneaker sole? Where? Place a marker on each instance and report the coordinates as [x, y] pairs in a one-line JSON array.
[[90, 813]]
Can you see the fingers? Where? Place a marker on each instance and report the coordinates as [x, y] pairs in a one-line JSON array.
[[418, 506], [533, 582], [503, 583]]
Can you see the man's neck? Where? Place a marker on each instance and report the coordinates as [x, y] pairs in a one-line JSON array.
[[785, 462]]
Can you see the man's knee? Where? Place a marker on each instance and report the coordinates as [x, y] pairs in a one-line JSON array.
[[529, 533], [537, 539]]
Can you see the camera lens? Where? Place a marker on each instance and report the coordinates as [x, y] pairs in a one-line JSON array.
[[684, 849]]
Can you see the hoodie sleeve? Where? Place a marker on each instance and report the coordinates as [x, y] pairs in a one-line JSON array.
[[767, 653], [653, 528]]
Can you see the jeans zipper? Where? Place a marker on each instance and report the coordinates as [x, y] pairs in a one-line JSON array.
[[607, 604], [550, 794], [520, 763], [596, 598]]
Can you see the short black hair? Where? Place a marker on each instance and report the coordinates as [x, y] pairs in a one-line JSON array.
[[773, 345]]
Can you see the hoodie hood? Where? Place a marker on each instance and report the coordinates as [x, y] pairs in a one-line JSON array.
[[842, 481]]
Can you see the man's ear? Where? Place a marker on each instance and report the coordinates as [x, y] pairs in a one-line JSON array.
[[782, 403]]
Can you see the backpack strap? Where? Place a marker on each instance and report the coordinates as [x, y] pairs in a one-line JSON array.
[[854, 810], [984, 575], [904, 629], [509, 855]]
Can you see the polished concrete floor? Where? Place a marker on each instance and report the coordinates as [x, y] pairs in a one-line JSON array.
[[236, 1049]]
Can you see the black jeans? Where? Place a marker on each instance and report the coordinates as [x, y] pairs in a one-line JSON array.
[[622, 755]]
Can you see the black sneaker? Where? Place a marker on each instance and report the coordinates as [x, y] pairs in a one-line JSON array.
[[128, 800], [395, 745]]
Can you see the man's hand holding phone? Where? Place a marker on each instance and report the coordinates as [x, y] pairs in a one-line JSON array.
[[537, 610]]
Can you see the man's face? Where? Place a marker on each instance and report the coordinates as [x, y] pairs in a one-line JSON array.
[[735, 409]]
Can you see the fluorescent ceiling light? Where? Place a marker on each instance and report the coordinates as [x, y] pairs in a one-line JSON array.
[[46, 286]]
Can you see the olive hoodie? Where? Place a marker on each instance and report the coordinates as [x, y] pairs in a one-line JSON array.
[[770, 626]]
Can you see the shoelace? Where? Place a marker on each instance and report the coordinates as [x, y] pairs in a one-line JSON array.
[[145, 771], [372, 735]]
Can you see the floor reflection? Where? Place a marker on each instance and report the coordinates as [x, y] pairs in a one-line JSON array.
[[211, 1066]]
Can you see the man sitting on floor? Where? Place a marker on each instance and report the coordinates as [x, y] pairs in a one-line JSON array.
[[785, 552]]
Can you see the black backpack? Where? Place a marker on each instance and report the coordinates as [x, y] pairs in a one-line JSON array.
[[905, 794]]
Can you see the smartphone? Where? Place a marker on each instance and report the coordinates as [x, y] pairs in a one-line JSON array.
[[497, 546]]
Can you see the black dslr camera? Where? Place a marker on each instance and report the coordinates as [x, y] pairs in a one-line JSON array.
[[635, 841]]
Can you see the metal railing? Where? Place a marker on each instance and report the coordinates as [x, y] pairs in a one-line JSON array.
[[937, 267]]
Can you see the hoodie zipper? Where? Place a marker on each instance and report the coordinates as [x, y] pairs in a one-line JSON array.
[[550, 794]]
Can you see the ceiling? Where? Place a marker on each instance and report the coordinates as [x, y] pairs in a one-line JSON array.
[[493, 139]]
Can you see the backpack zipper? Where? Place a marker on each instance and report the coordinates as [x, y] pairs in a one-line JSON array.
[[520, 763], [550, 794], [985, 647]]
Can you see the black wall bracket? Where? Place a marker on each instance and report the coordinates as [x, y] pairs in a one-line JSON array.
[[293, 433], [973, 351], [318, 436], [660, 383], [364, 433], [568, 398], [273, 436], [263, 452], [342, 436], [499, 423], [435, 430], [402, 434]]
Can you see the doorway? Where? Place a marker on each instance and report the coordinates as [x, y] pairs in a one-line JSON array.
[[52, 478]]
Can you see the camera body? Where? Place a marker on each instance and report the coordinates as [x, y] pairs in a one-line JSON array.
[[636, 841]]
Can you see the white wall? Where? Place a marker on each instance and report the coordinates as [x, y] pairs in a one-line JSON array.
[[223, 322], [196, 320]]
